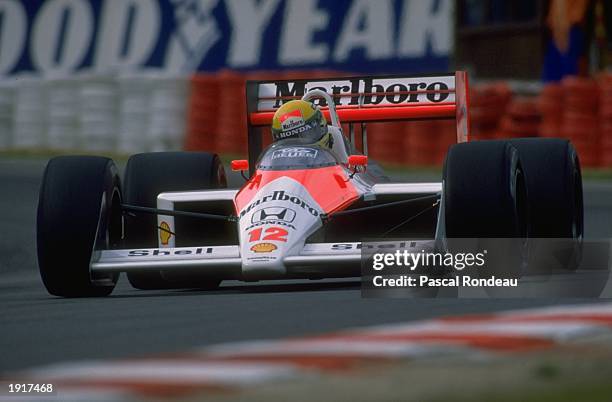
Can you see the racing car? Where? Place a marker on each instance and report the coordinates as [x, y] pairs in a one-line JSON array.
[[304, 208]]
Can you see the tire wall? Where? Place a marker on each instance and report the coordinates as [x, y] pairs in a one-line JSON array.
[[151, 111]]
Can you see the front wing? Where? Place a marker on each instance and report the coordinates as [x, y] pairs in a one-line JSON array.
[[224, 262]]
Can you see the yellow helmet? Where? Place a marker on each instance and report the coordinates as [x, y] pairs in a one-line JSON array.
[[298, 119]]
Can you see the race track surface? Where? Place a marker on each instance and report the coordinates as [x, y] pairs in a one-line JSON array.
[[39, 329]]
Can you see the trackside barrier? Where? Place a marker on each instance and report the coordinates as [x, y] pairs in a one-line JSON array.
[[428, 141], [94, 112], [550, 104], [231, 126], [167, 113], [605, 116], [98, 114], [579, 109], [581, 118], [29, 114], [420, 143], [62, 114], [488, 105], [133, 112], [522, 119], [202, 111], [148, 111], [7, 103], [496, 113]]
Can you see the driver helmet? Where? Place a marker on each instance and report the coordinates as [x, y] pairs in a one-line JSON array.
[[300, 119]]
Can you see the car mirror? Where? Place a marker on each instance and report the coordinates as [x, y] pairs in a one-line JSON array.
[[240, 165], [358, 160]]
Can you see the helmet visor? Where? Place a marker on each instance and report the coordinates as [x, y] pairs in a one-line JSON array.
[[311, 131]]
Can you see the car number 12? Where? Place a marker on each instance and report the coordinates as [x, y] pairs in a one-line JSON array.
[[271, 234]]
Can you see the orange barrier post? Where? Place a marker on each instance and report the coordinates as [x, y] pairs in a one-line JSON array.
[[522, 119], [605, 115], [581, 118], [231, 126], [202, 113], [550, 105], [488, 104]]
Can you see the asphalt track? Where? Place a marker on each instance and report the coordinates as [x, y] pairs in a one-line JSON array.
[[37, 329]]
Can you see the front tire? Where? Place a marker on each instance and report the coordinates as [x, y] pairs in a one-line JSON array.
[[79, 207], [147, 175]]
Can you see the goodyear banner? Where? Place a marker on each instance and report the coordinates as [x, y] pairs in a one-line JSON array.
[[60, 37]]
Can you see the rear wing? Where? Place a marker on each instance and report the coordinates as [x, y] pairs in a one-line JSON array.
[[364, 99]]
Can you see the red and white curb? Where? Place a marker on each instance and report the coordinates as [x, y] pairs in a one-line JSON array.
[[243, 364]]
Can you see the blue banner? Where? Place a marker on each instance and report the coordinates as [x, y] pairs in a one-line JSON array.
[[60, 37]]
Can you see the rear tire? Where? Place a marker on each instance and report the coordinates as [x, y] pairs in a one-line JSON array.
[[554, 184], [486, 206], [147, 175], [79, 203]]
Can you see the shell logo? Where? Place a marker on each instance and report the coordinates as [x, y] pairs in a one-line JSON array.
[[263, 248], [164, 233]]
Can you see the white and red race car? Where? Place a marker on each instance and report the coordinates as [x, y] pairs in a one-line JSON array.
[[304, 209]]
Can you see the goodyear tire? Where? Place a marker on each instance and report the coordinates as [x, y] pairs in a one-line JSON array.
[[147, 175], [554, 184], [79, 208], [485, 205]]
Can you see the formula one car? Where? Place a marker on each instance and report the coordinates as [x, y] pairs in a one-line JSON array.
[[304, 209]]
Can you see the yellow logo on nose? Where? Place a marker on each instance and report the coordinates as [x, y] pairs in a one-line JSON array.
[[263, 248], [164, 233]]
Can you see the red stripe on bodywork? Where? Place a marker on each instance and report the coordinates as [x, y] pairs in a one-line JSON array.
[[328, 186]]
